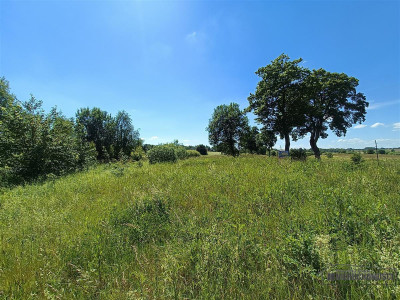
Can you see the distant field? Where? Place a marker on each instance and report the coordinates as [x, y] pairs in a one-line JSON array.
[[210, 227], [213, 153]]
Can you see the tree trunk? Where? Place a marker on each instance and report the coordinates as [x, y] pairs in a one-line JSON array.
[[287, 142], [232, 147], [314, 147]]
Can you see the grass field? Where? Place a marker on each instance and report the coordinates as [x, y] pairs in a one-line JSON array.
[[211, 227]]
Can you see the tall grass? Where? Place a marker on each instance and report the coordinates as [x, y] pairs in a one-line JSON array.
[[211, 227]]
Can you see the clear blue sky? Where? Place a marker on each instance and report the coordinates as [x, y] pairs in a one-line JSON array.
[[170, 63]]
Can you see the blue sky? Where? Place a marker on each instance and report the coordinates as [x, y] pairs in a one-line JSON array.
[[170, 63]]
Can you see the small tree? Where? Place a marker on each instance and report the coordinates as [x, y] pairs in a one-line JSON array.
[[226, 127], [266, 138]]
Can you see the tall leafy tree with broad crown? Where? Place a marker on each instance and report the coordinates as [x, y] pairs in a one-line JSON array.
[[277, 99], [330, 101], [226, 127]]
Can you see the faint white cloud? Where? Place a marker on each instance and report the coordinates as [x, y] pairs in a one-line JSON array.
[[353, 140], [377, 125], [396, 126], [360, 126], [382, 104], [192, 37], [358, 143], [153, 138], [198, 41]]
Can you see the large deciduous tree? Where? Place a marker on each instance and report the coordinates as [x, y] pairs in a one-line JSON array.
[[226, 127], [330, 101], [277, 99]]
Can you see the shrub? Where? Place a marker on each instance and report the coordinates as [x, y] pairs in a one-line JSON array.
[[273, 153], [298, 154], [370, 151], [382, 151], [181, 152], [162, 153], [138, 154], [193, 153], [356, 158], [202, 149], [329, 155]]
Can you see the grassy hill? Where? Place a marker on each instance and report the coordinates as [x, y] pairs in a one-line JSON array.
[[208, 228]]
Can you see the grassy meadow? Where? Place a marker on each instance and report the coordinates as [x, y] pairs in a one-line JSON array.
[[213, 227]]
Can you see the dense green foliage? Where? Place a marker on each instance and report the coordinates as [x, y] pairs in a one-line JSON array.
[[330, 101], [34, 145], [277, 100], [193, 153], [248, 140], [162, 153], [170, 152], [202, 149], [291, 100], [357, 158], [381, 151], [265, 139], [113, 136], [212, 227], [298, 154], [225, 128]]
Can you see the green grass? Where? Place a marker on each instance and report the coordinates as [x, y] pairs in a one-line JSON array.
[[212, 227]]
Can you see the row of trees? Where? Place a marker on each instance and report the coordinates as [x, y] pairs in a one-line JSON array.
[[34, 144], [292, 101]]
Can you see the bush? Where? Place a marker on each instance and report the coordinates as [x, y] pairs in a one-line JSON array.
[[193, 153], [202, 149], [382, 151], [180, 151], [356, 158], [162, 153], [298, 154], [329, 155], [370, 151], [138, 154]]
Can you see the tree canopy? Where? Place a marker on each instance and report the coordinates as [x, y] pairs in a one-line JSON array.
[[226, 127], [277, 99], [35, 144], [291, 100], [330, 101]]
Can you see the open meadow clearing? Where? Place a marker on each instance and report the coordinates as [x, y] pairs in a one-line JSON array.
[[210, 227]]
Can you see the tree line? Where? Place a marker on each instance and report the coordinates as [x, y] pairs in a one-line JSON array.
[[35, 144], [290, 101]]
